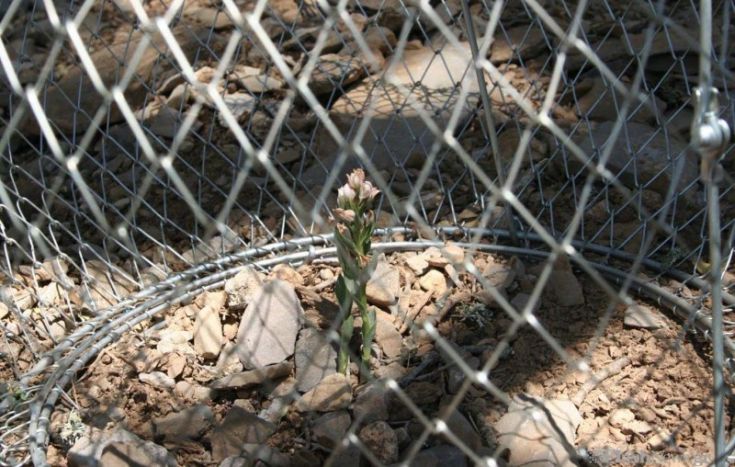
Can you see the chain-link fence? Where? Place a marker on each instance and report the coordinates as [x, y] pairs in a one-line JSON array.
[[549, 278]]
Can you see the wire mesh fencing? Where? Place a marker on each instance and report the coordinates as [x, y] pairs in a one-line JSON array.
[[548, 280]]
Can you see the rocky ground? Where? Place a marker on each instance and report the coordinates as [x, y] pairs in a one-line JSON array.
[[216, 361], [217, 386]]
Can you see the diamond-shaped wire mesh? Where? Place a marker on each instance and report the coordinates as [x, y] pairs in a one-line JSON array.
[[543, 281]]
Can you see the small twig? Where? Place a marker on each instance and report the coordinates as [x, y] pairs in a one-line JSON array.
[[451, 302], [414, 312], [428, 360], [593, 381], [322, 285]]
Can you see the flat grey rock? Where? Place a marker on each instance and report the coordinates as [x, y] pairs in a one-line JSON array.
[[98, 447], [250, 378], [396, 131], [330, 428], [539, 431], [190, 423], [239, 427], [269, 325], [384, 285], [643, 317], [315, 358], [332, 393]]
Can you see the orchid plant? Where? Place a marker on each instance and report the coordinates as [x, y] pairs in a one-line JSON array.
[[354, 228]]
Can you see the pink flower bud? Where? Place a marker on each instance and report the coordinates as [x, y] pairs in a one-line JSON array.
[[355, 179], [368, 191], [344, 215], [345, 196]]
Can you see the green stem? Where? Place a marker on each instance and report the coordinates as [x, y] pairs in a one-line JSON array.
[[368, 333], [343, 360]]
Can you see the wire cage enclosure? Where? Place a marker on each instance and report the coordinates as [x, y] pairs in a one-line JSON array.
[[550, 269]]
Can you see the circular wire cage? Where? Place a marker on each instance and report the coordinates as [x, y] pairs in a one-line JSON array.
[[550, 266]]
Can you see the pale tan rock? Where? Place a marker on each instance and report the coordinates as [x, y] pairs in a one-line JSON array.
[[435, 282], [384, 285], [332, 393], [208, 336]]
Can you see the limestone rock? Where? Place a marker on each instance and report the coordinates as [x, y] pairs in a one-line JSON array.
[[315, 359], [269, 325], [117, 447], [386, 334], [380, 438], [332, 393], [565, 288], [384, 285], [386, 142], [237, 428], [241, 288], [71, 103], [643, 317], [371, 404], [330, 428], [208, 336], [189, 423], [247, 379], [157, 379], [435, 282], [536, 431], [440, 456]]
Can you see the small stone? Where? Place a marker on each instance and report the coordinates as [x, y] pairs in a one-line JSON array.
[[520, 301], [4, 311], [175, 363], [208, 336], [620, 417], [247, 379], [269, 325], [660, 440], [286, 273], [417, 263], [191, 391], [189, 423], [330, 428], [384, 285], [332, 393], [381, 440], [228, 361], [537, 432], [116, 448], [259, 454], [638, 427], [393, 370], [462, 429], [237, 428], [326, 274], [386, 334], [214, 300], [440, 456], [642, 317], [241, 288], [565, 289], [157, 379], [239, 104], [315, 358], [423, 392], [435, 282], [165, 123], [260, 84], [371, 404], [453, 253], [498, 274]]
